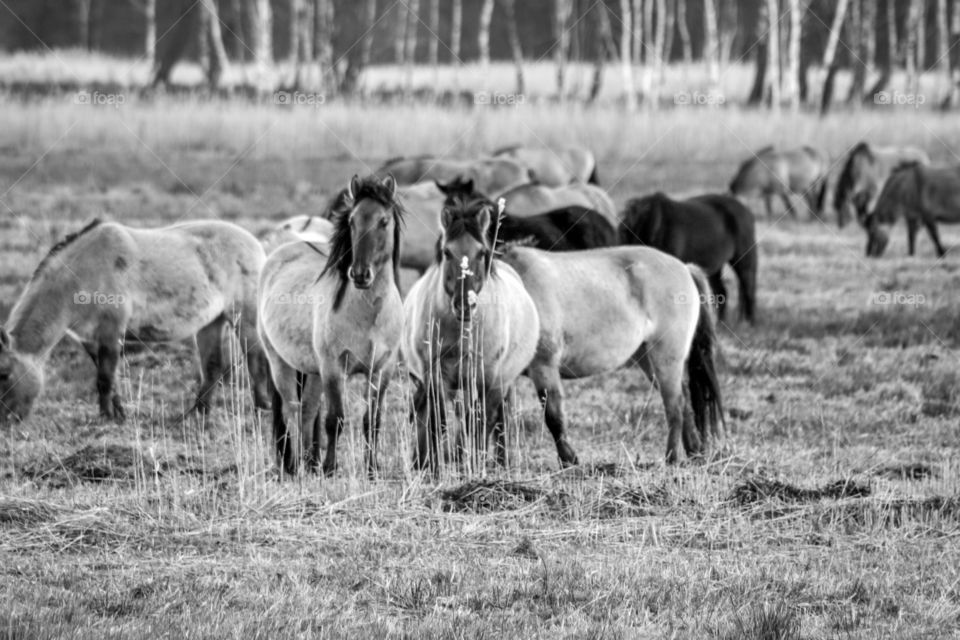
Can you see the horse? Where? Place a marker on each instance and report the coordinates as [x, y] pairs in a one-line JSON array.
[[769, 173], [864, 173], [554, 167], [329, 313], [709, 230], [532, 199], [605, 308], [470, 326], [421, 204], [109, 282], [566, 229], [922, 195], [308, 228], [493, 174]]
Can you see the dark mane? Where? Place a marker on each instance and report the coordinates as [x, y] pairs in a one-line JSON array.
[[341, 245], [845, 182], [63, 244], [465, 220], [895, 190]]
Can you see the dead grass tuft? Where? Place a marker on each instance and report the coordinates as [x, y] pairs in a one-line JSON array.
[[100, 462], [19, 512], [760, 488], [489, 495]]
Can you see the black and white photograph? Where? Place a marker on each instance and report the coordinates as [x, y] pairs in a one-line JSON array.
[[472, 319]]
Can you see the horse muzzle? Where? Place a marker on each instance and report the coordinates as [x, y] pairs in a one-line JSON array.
[[361, 278]]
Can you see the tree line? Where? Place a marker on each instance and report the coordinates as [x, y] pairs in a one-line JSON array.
[[326, 44]]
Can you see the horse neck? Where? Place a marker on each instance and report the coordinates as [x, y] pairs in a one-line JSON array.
[[41, 317]]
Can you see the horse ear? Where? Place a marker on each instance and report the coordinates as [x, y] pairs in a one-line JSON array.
[[444, 188], [4, 340], [390, 183], [446, 217], [354, 187], [483, 219], [467, 185]]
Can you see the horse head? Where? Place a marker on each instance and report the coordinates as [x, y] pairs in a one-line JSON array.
[[366, 235], [21, 380], [643, 220], [466, 252]]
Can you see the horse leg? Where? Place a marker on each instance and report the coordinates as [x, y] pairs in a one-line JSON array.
[[719, 292], [311, 395], [664, 363], [747, 283], [107, 357], [768, 204], [788, 203], [546, 379], [495, 419], [378, 384], [912, 228], [935, 236], [333, 389], [258, 366], [210, 349], [287, 413]]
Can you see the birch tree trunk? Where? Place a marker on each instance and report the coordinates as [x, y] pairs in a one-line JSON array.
[[456, 30], [562, 11], [400, 33], [433, 41], [792, 84], [516, 49], [369, 18], [910, 46], [711, 44], [684, 29], [262, 33], [670, 26], [636, 33], [856, 32], [659, 42], [410, 52], [150, 37], [830, 54], [323, 23], [603, 34], [483, 33], [626, 60], [217, 55], [922, 36], [772, 80], [954, 97], [758, 90]]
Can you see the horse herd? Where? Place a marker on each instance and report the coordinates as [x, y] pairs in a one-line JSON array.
[[525, 268]]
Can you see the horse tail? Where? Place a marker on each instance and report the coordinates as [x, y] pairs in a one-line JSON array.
[[821, 194], [705, 397]]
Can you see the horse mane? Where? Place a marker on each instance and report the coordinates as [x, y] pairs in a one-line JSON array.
[[845, 182], [465, 220], [341, 246], [63, 244]]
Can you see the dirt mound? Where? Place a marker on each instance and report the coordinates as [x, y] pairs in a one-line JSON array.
[[489, 495], [100, 462], [908, 471], [760, 488]]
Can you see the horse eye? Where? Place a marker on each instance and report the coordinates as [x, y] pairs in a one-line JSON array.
[[383, 223]]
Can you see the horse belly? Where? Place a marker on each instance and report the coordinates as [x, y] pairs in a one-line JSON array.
[[607, 349], [175, 317]]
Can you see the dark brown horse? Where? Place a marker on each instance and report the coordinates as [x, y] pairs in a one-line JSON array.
[[922, 195], [864, 173], [709, 230], [565, 229]]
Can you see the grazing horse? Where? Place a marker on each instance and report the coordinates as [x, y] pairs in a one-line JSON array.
[[567, 229], [492, 174], [109, 282], [307, 228], [554, 167], [532, 199], [922, 195], [770, 173], [603, 309], [864, 174], [470, 326], [708, 230], [332, 313]]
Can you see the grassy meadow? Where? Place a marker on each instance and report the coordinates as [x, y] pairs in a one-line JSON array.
[[832, 512]]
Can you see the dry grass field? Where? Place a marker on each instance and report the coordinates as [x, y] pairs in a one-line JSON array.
[[832, 512]]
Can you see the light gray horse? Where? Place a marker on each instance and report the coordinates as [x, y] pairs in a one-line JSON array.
[[491, 174], [470, 326], [769, 172], [534, 199], [109, 282], [554, 167], [331, 314], [605, 308]]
